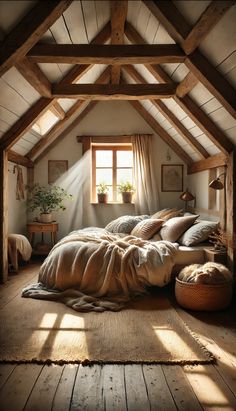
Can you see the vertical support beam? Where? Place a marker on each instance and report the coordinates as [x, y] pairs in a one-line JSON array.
[[30, 177], [231, 209], [3, 215]]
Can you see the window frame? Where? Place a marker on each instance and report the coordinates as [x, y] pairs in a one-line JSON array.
[[114, 148]]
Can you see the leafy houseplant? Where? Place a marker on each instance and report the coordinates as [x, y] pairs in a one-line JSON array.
[[46, 199], [102, 192], [126, 189]]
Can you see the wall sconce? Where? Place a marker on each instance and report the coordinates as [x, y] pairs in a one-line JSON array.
[[186, 196], [217, 184]]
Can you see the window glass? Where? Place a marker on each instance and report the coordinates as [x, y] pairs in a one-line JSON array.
[[104, 175], [103, 158], [124, 174], [124, 158]]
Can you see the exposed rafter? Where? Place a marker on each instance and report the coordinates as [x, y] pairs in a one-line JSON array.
[[57, 110], [190, 107], [161, 132], [53, 133], [19, 159], [27, 33], [169, 115], [107, 54], [218, 160], [186, 85], [32, 73], [114, 91], [178, 28], [118, 17]]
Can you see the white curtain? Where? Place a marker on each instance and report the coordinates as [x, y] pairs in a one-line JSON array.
[[146, 195]]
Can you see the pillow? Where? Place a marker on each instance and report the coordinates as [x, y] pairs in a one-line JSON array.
[[124, 224], [198, 233], [147, 228], [175, 227], [167, 213]]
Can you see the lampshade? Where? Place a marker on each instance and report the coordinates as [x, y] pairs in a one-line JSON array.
[[217, 184], [187, 196]]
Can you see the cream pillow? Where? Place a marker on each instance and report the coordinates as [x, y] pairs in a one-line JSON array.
[[198, 233], [172, 229], [147, 228]]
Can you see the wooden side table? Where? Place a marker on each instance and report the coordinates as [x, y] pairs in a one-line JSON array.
[[35, 227], [216, 256]]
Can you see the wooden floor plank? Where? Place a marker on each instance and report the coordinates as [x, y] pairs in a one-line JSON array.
[[180, 388], [88, 389], [14, 394], [136, 391], [63, 394], [5, 372], [158, 391], [44, 390], [211, 391], [114, 387]]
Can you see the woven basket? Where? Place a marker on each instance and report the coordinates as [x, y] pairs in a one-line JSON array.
[[203, 297]]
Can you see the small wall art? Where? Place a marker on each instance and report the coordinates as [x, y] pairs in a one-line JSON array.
[[55, 169], [172, 177]]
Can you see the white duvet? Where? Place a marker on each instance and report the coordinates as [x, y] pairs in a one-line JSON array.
[[91, 269]]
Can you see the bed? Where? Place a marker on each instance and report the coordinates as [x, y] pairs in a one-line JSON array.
[[103, 268]]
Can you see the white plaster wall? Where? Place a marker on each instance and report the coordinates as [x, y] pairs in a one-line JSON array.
[[17, 215], [107, 118]]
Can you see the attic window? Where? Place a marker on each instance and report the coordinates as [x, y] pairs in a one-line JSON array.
[[45, 123], [111, 164]]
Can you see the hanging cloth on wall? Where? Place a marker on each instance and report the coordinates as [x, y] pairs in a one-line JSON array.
[[20, 193]]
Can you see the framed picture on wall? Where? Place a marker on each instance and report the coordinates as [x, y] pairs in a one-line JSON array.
[[55, 169], [172, 177]]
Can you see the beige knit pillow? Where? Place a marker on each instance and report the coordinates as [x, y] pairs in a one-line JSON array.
[[172, 229], [173, 213], [167, 213], [147, 228]]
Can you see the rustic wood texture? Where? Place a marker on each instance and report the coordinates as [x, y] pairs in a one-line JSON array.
[[231, 208], [215, 161], [27, 33], [161, 132], [18, 159], [127, 387], [57, 110], [107, 54], [118, 17], [170, 116], [186, 85], [114, 91], [3, 215], [32, 73]]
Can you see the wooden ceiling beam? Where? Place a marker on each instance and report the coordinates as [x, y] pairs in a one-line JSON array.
[[53, 133], [113, 91], [118, 16], [205, 123], [107, 54], [19, 159], [209, 18], [218, 160], [186, 85], [24, 123], [177, 27], [57, 110], [161, 132], [197, 115], [27, 33], [32, 73], [174, 121]]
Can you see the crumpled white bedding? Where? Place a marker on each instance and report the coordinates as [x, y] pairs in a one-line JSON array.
[[91, 269]]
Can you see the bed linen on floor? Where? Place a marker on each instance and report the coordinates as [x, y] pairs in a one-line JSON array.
[[95, 270]]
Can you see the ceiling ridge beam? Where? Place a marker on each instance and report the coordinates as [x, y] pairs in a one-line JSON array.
[[114, 91], [22, 125], [27, 33], [53, 133], [161, 132], [118, 16], [199, 117], [175, 122], [215, 161], [205, 72], [107, 53]]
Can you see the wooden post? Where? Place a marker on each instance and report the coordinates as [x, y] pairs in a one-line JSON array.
[[231, 209], [4, 215]]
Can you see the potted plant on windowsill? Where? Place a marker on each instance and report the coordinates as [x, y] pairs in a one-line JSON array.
[[127, 190], [46, 199], [102, 193]]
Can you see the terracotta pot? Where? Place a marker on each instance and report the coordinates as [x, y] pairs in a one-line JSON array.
[[45, 218], [127, 196], [102, 197]]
